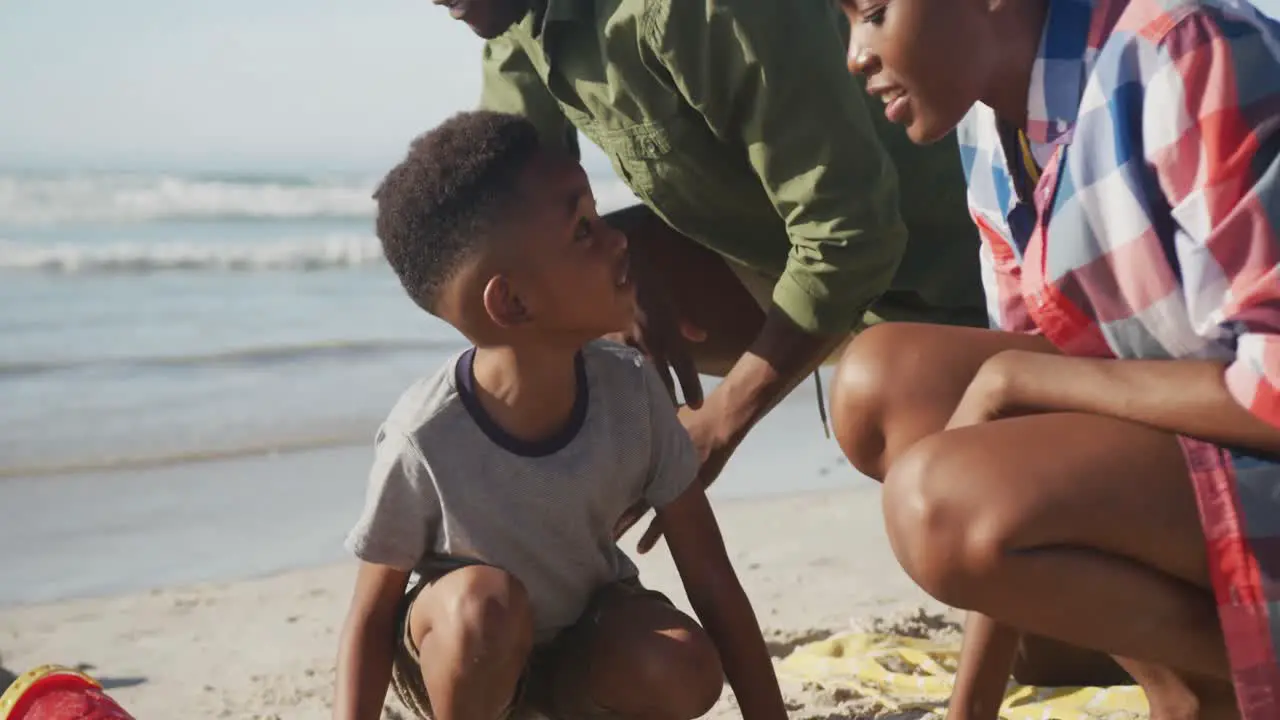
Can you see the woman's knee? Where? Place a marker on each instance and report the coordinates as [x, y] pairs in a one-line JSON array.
[[899, 382], [860, 390], [946, 540]]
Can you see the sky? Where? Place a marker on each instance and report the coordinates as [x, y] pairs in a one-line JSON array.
[[234, 84], [243, 85]]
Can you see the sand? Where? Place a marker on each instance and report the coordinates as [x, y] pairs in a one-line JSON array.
[[812, 565]]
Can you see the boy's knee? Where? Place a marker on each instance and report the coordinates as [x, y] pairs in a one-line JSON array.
[[486, 615], [858, 397], [682, 670], [945, 539]]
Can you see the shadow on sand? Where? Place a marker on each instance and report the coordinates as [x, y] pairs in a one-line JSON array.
[[7, 677]]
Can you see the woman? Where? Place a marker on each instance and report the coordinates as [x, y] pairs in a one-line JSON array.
[[1108, 462]]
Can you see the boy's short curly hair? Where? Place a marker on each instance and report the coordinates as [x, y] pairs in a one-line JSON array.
[[436, 205]]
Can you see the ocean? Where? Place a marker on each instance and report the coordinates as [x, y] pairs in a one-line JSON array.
[[193, 367], [152, 319], [157, 319]]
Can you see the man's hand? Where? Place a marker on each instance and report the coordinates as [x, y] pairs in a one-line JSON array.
[[713, 438], [715, 443], [630, 518], [781, 356], [662, 334]]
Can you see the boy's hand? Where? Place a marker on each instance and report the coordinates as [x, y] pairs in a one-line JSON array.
[[367, 645], [720, 603]]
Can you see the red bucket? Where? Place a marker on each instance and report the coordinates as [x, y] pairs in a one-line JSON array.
[[52, 692]]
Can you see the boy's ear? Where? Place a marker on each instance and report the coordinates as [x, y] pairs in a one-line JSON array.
[[503, 305]]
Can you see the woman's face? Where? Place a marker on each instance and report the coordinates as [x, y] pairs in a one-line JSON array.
[[926, 60]]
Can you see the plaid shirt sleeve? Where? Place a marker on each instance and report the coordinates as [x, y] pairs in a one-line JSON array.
[[1212, 135], [997, 259], [1002, 282]]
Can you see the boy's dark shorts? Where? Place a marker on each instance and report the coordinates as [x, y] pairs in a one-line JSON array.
[[532, 691]]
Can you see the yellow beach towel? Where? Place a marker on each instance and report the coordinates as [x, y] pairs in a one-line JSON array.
[[904, 673]]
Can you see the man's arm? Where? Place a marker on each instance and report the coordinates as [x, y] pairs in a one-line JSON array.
[[769, 75], [367, 645], [781, 356], [721, 604], [511, 84]]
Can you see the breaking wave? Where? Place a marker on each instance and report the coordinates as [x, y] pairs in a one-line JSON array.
[[137, 258], [41, 199]]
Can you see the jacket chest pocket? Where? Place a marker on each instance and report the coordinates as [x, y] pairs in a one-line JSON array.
[[637, 153]]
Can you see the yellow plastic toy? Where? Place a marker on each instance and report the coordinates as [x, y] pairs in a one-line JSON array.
[[904, 673]]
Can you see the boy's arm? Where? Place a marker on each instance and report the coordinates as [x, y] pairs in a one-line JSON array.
[[367, 645], [400, 518], [698, 550], [720, 602]]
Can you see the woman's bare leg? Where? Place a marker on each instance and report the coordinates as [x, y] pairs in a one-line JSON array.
[[899, 382], [896, 384], [1077, 527], [986, 661]]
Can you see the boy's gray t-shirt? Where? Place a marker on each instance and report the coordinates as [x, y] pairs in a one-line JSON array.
[[447, 484]]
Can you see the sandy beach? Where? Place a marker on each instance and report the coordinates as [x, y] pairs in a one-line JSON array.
[[813, 564]]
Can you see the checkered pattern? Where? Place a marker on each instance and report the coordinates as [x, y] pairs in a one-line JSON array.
[[1152, 233]]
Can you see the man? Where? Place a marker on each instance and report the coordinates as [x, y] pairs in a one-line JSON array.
[[777, 206]]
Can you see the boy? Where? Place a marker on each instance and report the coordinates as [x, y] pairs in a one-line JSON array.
[[499, 480]]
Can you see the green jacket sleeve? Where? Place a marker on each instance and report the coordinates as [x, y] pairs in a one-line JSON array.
[[770, 76], [512, 85]]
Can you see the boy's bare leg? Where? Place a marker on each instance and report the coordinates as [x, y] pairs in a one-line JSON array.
[[474, 630], [638, 658], [1077, 527], [901, 382]]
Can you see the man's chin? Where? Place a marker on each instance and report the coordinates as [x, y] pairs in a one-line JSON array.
[[485, 32], [497, 20]]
